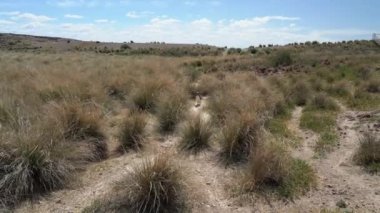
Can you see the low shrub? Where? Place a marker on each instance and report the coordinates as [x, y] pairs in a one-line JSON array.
[[195, 135], [132, 131]]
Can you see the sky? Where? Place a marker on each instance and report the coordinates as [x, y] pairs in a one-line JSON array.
[[238, 23]]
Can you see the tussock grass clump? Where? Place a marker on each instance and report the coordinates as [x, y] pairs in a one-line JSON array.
[[131, 135], [28, 170], [373, 86], [368, 154], [300, 93], [323, 102], [340, 89], [82, 126], [81, 122], [238, 138], [195, 135], [145, 96], [155, 186], [170, 111], [272, 169], [206, 85]]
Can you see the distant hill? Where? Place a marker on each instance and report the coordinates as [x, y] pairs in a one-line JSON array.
[[19, 42]]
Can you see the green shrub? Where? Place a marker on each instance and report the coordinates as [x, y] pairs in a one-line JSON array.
[[195, 135], [132, 131]]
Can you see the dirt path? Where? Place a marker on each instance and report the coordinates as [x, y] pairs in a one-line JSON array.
[[339, 177], [308, 138], [94, 183], [211, 176]]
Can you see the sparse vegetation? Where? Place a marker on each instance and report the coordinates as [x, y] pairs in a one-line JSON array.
[[61, 111]]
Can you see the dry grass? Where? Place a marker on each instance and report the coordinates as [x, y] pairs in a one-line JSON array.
[[238, 139], [323, 102], [157, 185], [272, 169], [81, 126], [368, 154], [32, 163], [57, 111], [170, 110], [300, 93], [131, 134], [196, 135]]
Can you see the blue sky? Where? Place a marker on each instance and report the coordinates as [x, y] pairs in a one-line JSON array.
[[217, 22]]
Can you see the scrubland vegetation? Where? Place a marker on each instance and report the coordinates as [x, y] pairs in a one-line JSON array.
[[61, 113]]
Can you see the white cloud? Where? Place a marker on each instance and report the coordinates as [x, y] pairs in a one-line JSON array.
[[73, 16], [6, 22], [134, 14], [30, 17], [73, 3], [12, 13], [84, 28], [104, 21]]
